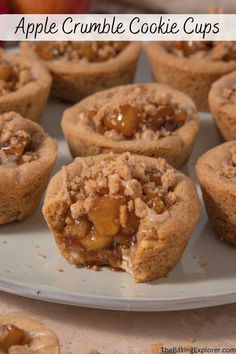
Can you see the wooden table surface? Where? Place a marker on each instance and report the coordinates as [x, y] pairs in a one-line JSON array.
[[80, 330]]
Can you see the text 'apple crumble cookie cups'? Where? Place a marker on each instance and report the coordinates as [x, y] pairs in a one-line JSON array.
[[192, 66], [22, 335], [125, 211], [147, 119], [82, 68], [222, 102], [216, 171], [27, 155], [24, 85]]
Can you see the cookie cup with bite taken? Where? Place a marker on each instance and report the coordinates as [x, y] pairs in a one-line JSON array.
[[27, 155], [146, 119], [82, 68], [222, 102], [128, 212], [20, 334], [191, 67], [24, 85], [216, 171]]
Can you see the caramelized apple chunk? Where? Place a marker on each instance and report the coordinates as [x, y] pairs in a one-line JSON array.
[[104, 220], [83, 232], [88, 51], [11, 335], [156, 203], [129, 121], [47, 51], [131, 226], [125, 120], [181, 117], [80, 227], [165, 111], [17, 144], [95, 241], [105, 215], [101, 227], [123, 240], [5, 71]]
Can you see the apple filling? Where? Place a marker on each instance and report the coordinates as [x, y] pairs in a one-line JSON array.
[[129, 120], [16, 145], [74, 51], [99, 234], [109, 202], [12, 77], [138, 113], [11, 336], [209, 50], [229, 168]]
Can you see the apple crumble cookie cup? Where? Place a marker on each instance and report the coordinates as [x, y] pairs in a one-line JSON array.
[[216, 171], [222, 102], [81, 68], [126, 211], [27, 156], [146, 119], [24, 85], [22, 335], [192, 67]]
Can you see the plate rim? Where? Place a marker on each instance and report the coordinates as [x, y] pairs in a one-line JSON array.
[[118, 304]]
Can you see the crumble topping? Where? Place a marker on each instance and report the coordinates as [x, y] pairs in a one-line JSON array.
[[12, 339], [17, 146], [112, 204], [13, 76], [208, 50], [229, 168], [74, 51], [230, 94], [136, 113]]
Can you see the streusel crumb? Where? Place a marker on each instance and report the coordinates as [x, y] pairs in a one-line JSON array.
[[138, 114], [13, 76], [76, 51], [113, 202], [17, 146], [207, 50]]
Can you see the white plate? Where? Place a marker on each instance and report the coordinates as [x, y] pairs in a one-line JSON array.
[[29, 259]]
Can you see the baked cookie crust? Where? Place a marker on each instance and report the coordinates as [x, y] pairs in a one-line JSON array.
[[161, 238], [216, 171], [23, 177], [84, 140], [223, 107], [193, 76], [29, 99], [73, 81]]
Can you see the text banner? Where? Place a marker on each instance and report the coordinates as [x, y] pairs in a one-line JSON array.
[[118, 27]]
